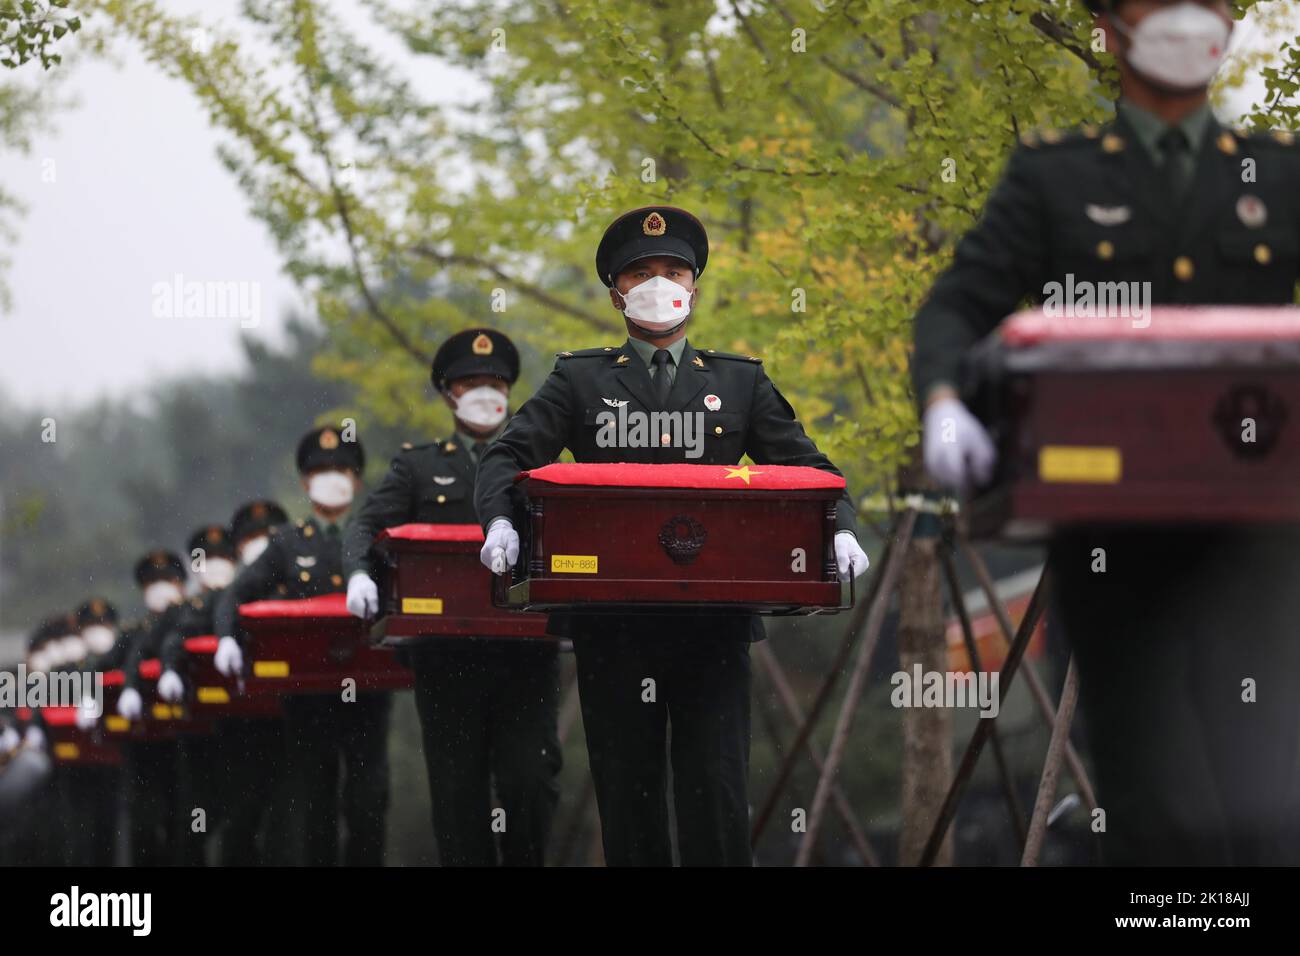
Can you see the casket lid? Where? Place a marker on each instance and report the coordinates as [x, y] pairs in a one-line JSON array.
[[59, 716], [1189, 323], [730, 477], [203, 644], [324, 605], [432, 532]]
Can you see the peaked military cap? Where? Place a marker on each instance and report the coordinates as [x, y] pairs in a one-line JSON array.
[[475, 352], [326, 448], [96, 610], [254, 517], [214, 540], [159, 565], [651, 231]]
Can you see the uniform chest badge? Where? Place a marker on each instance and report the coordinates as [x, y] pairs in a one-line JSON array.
[[614, 402], [443, 479], [1108, 215], [1251, 211], [306, 562], [712, 402]]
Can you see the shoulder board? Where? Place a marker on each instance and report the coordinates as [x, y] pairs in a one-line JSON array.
[[735, 356], [588, 353], [1278, 137], [409, 446], [1079, 135]]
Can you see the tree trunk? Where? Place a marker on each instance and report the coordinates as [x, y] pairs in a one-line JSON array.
[[927, 732]]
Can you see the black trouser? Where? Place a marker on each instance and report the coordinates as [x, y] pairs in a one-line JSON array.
[[90, 816], [488, 712], [253, 774], [151, 800], [701, 685], [322, 729], [1187, 771], [198, 788]]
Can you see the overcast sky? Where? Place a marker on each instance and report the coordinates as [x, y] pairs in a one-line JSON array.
[[137, 198]]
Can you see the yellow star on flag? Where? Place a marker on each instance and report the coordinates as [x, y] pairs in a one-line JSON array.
[[741, 472]]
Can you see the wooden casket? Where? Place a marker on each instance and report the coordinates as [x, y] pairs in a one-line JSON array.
[[757, 538], [1192, 418], [159, 720], [71, 744], [212, 694], [432, 584], [311, 646]]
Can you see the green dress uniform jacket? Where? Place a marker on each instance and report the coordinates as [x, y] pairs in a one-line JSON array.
[[1188, 773], [700, 664], [488, 707]]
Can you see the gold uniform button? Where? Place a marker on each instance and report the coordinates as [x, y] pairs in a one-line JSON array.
[[1184, 269], [336, 579], [308, 531], [1111, 143], [1105, 249], [717, 429], [304, 575], [450, 446], [442, 499], [1263, 254]]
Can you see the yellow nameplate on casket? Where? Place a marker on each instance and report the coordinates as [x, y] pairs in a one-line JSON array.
[[1079, 463], [270, 668], [421, 605], [573, 563], [166, 711], [117, 724], [213, 695], [67, 751]]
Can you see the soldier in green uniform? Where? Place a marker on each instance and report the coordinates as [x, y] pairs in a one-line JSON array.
[[212, 559], [251, 749], [488, 708], [151, 766], [650, 259], [1188, 772], [98, 789], [305, 560]]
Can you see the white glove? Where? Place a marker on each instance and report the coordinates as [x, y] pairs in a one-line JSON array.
[[958, 451], [129, 705], [363, 595], [34, 738], [848, 554], [501, 548], [229, 659], [9, 740], [87, 713], [170, 687]]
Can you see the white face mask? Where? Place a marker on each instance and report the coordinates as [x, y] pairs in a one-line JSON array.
[[74, 648], [1179, 47], [330, 489], [217, 573], [161, 595], [483, 406], [98, 638], [657, 304], [252, 549]]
